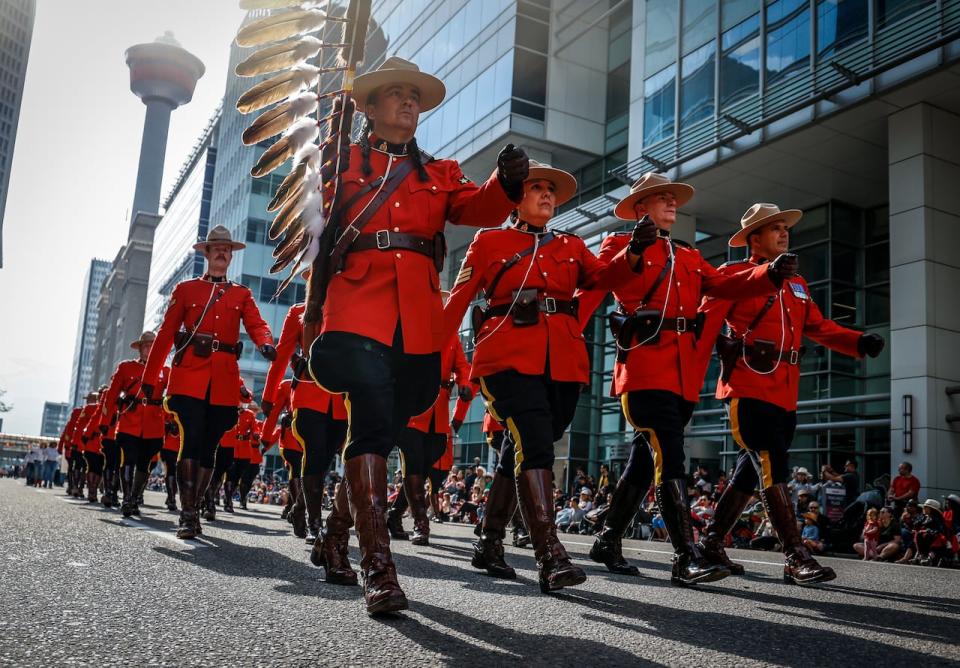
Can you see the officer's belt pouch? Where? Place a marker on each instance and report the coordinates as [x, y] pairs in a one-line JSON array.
[[179, 344], [439, 251], [762, 355], [728, 350], [646, 327], [526, 307], [477, 316], [238, 346], [616, 320], [202, 344]]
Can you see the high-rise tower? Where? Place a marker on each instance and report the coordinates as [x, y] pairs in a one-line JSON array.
[[163, 75]]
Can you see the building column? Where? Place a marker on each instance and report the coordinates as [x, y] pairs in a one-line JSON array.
[[924, 170]]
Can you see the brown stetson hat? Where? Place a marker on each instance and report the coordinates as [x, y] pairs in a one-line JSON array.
[[651, 183], [761, 214], [146, 337], [218, 235], [564, 182], [397, 70]]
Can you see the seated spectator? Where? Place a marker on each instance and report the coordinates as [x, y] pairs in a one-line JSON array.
[[904, 487], [445, 507], [800, 482], [871, 530], [658, 528], [586, 500], [929, 537], [559, 499], [909, 520], [889, 541], [804, 499], [719, 487], [811, 533], [570, 516], [701, 480], [470, 509], [604, 480]]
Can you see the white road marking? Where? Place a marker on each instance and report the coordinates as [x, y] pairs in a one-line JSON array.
[[77, 564], [166, 535]]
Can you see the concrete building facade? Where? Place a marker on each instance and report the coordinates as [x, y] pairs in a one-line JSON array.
[[81, 371], [16, 33]]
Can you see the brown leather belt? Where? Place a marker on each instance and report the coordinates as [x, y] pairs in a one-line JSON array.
[[547, 305], [221, 347], [680, 325], [386, 240]]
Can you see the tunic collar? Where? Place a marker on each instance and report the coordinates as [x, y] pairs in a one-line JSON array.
[[215, 279], [384, 146], [524, 226]]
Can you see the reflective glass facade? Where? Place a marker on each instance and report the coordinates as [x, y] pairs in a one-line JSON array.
[[81, 372]]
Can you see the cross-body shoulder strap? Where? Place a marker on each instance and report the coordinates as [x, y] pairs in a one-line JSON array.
[[544, 240]]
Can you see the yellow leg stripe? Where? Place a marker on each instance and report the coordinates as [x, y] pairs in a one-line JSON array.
[[488, 399], [735, 423], [649, 435], [765, 471], [346, 403], [760, 458], [176, 418], [517, 446], [303, 444]]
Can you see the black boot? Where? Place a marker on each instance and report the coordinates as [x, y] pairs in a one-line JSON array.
[[501, 505], [799, 565], [139, 484], [187, 482], [607, 548], [107, 498], [228, 489], [689, 565], [298, 514], [126, 484], [330, 551], [203, 477], [731, 504], [535, 493], [210, 504], [313, 493], [171, 484], [395, 516]]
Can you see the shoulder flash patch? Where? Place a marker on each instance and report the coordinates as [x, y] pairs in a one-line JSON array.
[[464, 180], [466, 273]]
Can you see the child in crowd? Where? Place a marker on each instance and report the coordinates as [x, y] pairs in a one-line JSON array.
[[871, 530], [811, 533]]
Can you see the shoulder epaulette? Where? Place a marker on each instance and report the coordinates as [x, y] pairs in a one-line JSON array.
[[733, 262], [569, 234]]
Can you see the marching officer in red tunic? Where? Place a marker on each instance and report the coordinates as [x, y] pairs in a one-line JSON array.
[[319, 424], [140, 426], [530, 359], [657, 375], [90, 440], [424, 441], [759, 383], [381, 337], [67, 449], [223, 461], [204, 378], [241, 439], [168, 455]]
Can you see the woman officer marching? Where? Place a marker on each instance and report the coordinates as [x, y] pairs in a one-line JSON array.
[[530, 359]]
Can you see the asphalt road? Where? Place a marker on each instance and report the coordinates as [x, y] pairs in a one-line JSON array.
[[82, 586]]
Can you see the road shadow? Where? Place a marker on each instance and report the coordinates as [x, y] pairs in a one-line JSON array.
[[245, 561]]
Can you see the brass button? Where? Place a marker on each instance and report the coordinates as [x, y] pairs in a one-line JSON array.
[[361, 180], [433, 187], [396, 205], [398, 255], [396, 229]]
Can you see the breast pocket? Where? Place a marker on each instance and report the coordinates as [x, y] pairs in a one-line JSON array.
[[429, 197], [562, 274]]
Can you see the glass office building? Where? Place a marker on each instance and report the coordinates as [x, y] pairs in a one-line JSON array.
[[81, 371]]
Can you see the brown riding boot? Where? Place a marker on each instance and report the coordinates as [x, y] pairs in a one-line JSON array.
[[126, 485], [799, 565], [417, 498], [187, 482], [93, 484], [366, 478], [395, 515], [608, 548], [690, 566], [535, 491], [203, 476], [501, 505], [330, 550], [311, 487], [731, 505], [298, 513]]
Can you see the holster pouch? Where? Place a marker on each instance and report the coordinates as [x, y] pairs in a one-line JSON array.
[[286, 420], [179, 343], [239, 348], [202, 345], [439, 251], [762, 355], [526, 308], [646, 326], [477, 317], [729, 349]]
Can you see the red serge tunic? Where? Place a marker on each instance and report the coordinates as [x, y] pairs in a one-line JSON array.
[[240, 436], [800, 317], [66, 437], [256, 454], [286, 435], [136, 419], [218, 373], [672, 363], [558, 268], [88, 428], [171, 436], [365, 298], [454, 370], [307, 394]]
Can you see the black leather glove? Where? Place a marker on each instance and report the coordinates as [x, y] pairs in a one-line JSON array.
[[785, 266], [465, 392], [266, 407], [870, 345], [513, 167], [147, 390], [644, 234], [268, 351], [455, 425]]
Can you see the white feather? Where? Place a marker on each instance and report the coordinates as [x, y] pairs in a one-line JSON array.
[[311, 155], [304, 103], [310, 253], [303, 132], [315, 224]]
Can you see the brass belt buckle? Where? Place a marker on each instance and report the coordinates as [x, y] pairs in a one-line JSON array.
[[550, 305], [681, 324], [383, 239], [794, 357], [215, 346]]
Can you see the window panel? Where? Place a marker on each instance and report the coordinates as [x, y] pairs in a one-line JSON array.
[[529, 76], [697, 100], [788, 38], [740, 62], [699, 23], [840, 23], [533, 34], [733, 12], [891, 11], [660, 39], [618, 91], [658, 105]]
